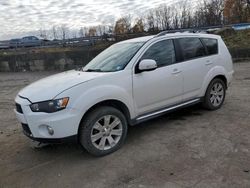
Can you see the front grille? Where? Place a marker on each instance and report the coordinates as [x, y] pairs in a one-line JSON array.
[[26, 129], [19, 108]]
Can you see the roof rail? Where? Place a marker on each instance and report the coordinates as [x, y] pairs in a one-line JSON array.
[[178, 31]]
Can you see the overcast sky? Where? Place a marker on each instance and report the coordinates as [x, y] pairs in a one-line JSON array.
[[23, 17]]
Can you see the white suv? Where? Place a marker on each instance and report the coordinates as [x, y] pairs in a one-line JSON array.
[[130, 82]]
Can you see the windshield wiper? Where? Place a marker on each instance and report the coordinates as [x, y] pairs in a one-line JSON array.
[[93, 70]]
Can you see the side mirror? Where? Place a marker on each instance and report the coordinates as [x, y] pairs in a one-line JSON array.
[[147, 65]]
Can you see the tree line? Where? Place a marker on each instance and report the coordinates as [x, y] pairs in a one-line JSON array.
[[165, 17], [184, 15]]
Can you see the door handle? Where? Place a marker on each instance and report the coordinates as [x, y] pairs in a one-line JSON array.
[[208, 62], [176, 71]]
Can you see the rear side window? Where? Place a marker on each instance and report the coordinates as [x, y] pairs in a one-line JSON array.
[[162, 52], [211, 45], [191, 48]]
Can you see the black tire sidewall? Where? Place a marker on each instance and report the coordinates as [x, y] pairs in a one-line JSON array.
[[207, 103], [88, 123]]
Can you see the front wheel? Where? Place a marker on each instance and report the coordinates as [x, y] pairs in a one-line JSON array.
[[103, 131], [215, 94]]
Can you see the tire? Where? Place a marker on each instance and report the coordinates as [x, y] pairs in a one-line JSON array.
[[103, 131], [215, 94]]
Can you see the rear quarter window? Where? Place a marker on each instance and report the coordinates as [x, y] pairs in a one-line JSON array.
[[211, 45]]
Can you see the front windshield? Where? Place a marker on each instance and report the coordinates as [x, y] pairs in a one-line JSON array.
[[114, 58]]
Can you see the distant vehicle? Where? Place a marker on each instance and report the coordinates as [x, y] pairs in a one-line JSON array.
[[4, 45], [128, 83], [15, 43], [30, 41], [242, 26]]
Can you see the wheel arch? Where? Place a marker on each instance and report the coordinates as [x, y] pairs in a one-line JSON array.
[[223, 78], [112, 103], [220, 76], [215, 72]]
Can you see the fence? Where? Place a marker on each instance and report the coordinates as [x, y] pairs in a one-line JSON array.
[[239, 54]]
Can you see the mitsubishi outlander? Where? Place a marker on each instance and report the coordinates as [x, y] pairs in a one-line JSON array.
[[129, 82]]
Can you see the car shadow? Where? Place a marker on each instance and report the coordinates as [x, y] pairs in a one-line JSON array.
[[165, 120], [134, 132]]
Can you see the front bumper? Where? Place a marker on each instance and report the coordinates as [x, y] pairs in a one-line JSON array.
[[64, 123], [54, 140]]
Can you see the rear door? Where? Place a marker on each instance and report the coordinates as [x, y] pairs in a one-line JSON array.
[[195, 65]]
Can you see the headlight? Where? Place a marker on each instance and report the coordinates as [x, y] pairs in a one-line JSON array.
[[50, 106]]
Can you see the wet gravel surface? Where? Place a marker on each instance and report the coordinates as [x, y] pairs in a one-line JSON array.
[[188, 148]]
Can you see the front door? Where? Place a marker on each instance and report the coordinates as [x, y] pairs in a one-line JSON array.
[[161, 87]]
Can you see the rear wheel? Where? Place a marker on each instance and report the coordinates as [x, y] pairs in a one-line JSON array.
[[103, 131], [215, 94]]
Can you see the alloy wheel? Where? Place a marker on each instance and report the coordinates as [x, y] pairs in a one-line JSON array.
[[106, 132], [217, 94]]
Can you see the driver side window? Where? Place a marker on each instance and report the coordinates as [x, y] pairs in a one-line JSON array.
[[162, 52]]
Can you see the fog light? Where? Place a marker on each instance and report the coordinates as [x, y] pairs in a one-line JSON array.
[[50, 130]]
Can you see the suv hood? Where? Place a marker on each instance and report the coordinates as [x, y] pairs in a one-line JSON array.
[[49, 87]]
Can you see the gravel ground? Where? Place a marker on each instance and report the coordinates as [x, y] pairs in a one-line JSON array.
[[189, 148]]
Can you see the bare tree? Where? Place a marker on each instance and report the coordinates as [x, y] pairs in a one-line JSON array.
[[139, 26], [101, 30], [81, 33], [54, 32], [165, 17], [43, 34], [86, 31], [158, 18], [111, 29], [237, 11], [123, 25], [214, 11], [199, 17], [166, 14], [190, 20], [74, 34], [176, 17], [151, 21], [127, 21], [64, 32], [183, 15], [92, 31]]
